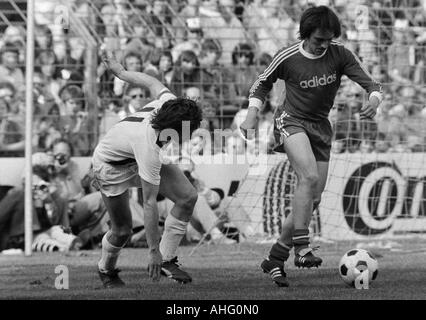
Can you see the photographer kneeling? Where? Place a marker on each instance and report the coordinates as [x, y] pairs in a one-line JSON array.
[[50, 217]]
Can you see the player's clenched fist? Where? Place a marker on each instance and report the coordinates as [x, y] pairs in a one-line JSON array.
[[154, 265], [369, 110]]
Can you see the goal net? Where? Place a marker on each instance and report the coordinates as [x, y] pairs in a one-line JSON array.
[[367, 197]]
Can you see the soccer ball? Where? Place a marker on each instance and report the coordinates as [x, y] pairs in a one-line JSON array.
[[354, 263]]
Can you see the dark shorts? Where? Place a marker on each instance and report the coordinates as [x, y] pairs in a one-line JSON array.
[[319, 133]]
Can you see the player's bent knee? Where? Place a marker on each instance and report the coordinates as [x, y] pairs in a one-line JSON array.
[[188, 202], [120, 236], [310, 180]]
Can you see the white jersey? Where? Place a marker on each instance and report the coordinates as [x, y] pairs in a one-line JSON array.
[[135, 140]]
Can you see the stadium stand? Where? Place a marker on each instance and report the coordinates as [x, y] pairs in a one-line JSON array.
[[218, 47]]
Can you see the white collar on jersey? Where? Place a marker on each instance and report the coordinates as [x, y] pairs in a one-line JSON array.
[[309, 55]]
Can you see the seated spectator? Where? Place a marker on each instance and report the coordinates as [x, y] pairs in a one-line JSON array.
[[74, 62], [67, 173], [218, 21], [12, 143], [74, 123], [48, 128], [244, 71], [47, 79], [110, 27], [43, 39], [134, 99], [243, 75], [7, 91], [14, 35], [9, 68], [207, 105], [193, 41], [209, 61], [132, 62], [86, 208], [50, 217], [143, 37], [210, 54], [187, 73], [165, 68]]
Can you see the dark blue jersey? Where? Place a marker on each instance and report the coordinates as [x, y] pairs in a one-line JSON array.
[[312, 81]]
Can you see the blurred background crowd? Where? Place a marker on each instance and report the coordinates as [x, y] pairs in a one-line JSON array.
[[209, 50]]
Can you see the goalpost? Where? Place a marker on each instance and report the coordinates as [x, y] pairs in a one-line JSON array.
[[28, 127]]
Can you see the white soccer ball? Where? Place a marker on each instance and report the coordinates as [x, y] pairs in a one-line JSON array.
[[354, 263]]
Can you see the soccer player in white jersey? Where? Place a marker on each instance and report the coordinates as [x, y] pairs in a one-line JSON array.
[[129, 156], [312, 69]]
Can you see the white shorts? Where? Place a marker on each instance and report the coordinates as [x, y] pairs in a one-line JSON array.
[[113, 180]]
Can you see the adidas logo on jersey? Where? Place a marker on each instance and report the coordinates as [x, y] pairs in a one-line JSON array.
[[318, 81]]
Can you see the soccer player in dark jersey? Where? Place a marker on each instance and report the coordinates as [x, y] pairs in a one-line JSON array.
[[312, 69]]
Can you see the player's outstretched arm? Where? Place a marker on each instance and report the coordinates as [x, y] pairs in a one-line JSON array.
[[135, 78], [354, 69], [150, 209]]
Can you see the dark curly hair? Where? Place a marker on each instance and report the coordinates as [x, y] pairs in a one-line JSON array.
[[322, 18], [174, 112]]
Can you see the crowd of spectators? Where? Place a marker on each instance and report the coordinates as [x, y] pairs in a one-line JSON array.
[[211, 51]]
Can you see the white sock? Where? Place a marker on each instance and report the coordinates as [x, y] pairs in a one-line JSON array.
[[192, 234], [216, 233], [109, 255], [174, 230]]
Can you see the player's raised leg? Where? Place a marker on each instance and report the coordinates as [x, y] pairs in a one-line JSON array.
[[176, 187], [301, 157], [115, 239]]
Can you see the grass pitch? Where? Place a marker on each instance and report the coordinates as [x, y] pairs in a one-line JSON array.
[[225, 272]]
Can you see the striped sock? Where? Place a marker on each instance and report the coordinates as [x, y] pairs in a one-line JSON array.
[[300, 239], [279, 252]]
